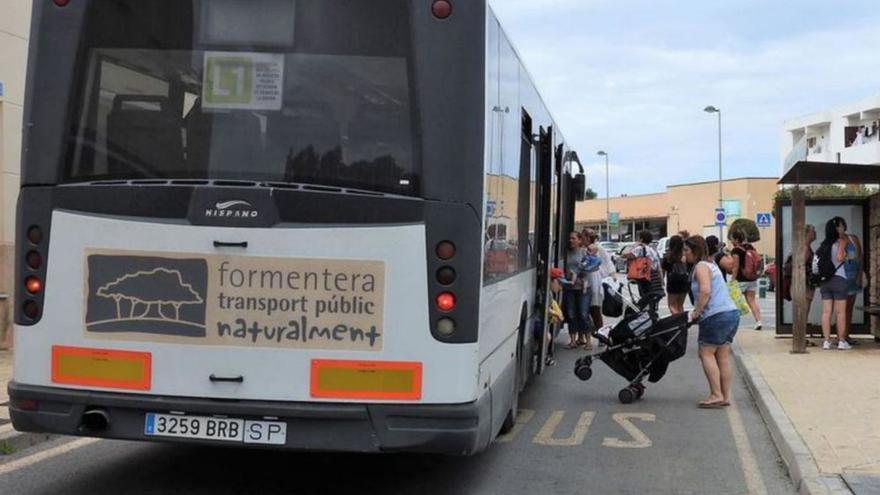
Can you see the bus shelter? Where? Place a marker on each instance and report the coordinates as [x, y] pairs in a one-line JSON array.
[[863, 219]]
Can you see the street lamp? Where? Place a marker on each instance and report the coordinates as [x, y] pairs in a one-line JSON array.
[[607, 196], [711, 109]]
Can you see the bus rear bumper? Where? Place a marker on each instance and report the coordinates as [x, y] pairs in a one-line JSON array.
[[457, 429]]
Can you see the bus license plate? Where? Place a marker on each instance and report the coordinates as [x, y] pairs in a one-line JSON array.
[[218, 429]]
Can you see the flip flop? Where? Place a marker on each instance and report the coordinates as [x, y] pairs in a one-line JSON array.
[[711, 405], [570, 346]]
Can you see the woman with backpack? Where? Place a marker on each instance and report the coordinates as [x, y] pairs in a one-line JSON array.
[[718, 318], [643, 266], [854, 272], [830, 268], [675, 270], [746, 270]]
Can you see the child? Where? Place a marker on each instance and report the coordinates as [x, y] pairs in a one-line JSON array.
[[591, 262]]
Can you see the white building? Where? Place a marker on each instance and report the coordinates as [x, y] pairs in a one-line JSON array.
[[845, 134]]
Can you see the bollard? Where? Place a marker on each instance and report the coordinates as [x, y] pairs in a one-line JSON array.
[[763, 286]]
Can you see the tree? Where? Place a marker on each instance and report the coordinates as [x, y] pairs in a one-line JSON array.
[[157, 287], [750, 228], [590, 194]]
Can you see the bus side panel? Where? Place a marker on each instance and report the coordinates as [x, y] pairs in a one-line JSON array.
[[269, 372]]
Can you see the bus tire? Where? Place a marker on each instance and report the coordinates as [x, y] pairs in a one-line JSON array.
[[519, 380]]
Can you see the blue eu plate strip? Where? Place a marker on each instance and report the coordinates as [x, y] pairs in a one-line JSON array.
[[150, 427]]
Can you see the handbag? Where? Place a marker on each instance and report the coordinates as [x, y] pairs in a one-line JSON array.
[[612, 303], [739, 299]]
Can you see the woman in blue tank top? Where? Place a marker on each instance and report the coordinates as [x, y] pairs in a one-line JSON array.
[[718, 318]]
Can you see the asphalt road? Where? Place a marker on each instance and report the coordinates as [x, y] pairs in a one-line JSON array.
[[574, 437]]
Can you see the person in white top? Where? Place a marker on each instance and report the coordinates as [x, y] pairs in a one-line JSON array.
[[606, 269]]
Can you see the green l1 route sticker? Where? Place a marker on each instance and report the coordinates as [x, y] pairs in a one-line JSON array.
[[241, 80]]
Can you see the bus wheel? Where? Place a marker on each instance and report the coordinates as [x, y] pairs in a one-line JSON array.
[[510, 419]]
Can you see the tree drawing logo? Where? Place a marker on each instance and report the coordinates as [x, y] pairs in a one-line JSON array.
[[156, 288], [145, 298]]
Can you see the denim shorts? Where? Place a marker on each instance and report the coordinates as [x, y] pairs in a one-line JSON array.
[[751, 286], [719, 329], [836, 289]]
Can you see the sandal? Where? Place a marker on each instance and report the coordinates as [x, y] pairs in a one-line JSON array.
[[570, 346], [712, 405]]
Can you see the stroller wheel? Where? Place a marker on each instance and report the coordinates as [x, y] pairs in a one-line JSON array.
[[627, 396], [640, 390], [583, 371]]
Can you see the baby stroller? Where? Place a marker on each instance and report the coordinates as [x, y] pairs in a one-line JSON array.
[[641, 345]]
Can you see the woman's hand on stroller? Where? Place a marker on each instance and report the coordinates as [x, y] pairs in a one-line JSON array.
[[694, 316]]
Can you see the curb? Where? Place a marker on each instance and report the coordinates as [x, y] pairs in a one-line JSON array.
[[15, 441], [798, 459]]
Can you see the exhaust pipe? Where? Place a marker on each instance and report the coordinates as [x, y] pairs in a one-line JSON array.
[[94, 421]]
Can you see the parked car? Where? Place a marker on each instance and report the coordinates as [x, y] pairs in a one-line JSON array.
[[617, 257], [662, 246], [770, 273]]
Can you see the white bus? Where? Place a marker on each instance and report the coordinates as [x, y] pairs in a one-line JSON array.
[[317, 225]]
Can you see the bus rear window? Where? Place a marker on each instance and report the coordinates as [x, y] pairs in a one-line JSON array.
[[321, 94]]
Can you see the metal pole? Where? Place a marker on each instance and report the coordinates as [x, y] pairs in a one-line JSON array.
[[720, 175], [607, 199]]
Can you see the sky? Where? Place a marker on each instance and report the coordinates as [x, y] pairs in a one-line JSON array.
[[632, 78]]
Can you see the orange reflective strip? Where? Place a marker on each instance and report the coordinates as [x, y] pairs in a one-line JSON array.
[[101, 368], [366, 380]]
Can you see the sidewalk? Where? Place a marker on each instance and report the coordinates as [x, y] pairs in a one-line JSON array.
[[831, 398], [5, 376]]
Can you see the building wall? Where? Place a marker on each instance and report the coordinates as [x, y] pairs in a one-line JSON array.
[[827, 131], [14, 33], [691, 207]]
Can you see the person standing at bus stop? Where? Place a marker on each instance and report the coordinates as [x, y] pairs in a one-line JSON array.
[[746, 268], [576, 295]]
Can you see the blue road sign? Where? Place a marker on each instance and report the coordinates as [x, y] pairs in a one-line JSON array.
[[720, 217], [764, 220]]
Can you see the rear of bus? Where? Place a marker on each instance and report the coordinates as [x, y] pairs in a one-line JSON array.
[[253, 222]]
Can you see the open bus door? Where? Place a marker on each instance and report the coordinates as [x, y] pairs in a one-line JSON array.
[[543, 225]]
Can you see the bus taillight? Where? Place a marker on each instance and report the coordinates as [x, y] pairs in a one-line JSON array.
[[441, 9], [446, 302], [34, 260], [445, 250], [31, 309], [446, 327], [446, 276], [62, 3], [35, 235], [33, 285]]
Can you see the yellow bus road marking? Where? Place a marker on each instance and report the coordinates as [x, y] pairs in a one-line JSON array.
[[639, 439], [524, 416], [747, 459], [546, 435], [44, 455]]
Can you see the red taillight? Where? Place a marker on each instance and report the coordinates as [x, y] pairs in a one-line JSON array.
[[62, 3], [25, 404], [441, 9], [445, 250], [446, 302], [33, 285]]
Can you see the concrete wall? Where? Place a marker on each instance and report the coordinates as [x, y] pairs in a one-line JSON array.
[[14, 33]]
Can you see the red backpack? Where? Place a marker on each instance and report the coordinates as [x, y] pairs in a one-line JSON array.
[[751, 266]]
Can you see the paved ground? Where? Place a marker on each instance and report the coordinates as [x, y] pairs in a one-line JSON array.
[[575, 437], [831, 397]]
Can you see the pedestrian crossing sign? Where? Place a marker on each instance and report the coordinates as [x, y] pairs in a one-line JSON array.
[[764, 220]]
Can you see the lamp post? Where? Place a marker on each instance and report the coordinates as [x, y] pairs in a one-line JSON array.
[[712, 109], [607, 196]]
